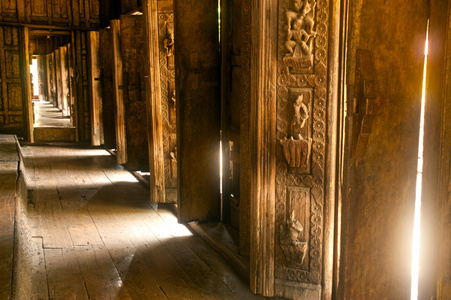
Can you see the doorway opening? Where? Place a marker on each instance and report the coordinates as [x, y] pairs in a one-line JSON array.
[[51, 76], [34, 78]]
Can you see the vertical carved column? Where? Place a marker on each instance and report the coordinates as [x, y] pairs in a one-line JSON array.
[[153, 95], [168, 101], [304, 203]]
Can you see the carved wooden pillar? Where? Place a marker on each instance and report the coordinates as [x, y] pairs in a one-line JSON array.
[[198, 109], [294, 109], [153, 99]]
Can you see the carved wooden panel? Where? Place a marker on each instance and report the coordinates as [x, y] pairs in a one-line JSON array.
[[60, 9], [39, 9], [94, 9], [84, 13], [168, 102], [301, 130], [11, 87], [15, 96], [12, 64], [9, 10]]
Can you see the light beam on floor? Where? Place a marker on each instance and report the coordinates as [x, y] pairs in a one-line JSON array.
[[417, 216]]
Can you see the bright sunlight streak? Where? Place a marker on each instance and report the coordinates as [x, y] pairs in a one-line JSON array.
[[34, 72], [417, 217]]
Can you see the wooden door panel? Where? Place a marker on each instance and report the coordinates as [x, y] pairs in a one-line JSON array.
[[95, 90], [133, 87], [13, 103], [231, 111], [106, 76], [198, 109]]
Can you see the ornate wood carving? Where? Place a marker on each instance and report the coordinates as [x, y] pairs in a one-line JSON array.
[[11, 87], [300, 36], [168, 102], [84, 13], [301, 128]]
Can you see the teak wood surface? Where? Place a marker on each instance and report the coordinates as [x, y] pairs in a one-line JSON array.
[[88, 230]]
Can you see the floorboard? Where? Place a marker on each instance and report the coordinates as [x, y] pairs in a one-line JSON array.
[[90, 232]]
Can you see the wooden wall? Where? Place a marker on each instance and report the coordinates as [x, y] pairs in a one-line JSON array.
[[378, 204], [12, 106], [78, 13], [54, 14]]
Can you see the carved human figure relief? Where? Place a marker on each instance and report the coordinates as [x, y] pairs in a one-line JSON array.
[[169, 40], [297, 148], [300, 33], [290, 240], [300, 116]]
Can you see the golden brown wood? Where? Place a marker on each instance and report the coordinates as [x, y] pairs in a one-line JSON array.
[[65, 106], [128, 250], [153, 100], [332, 186], [95, 90], [106, 62], [59, 81], [121, 144], [8, 176], [198, 110], [382, 183], [26, 81], [435, 246], [262, 134], [133, 56]]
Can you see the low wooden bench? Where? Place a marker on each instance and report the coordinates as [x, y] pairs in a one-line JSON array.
[[9, 165]]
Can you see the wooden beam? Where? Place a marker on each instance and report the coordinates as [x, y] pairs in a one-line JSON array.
[[26, 83], [121, 144], [94, 88], [153, 100], [263, 141], [64, 87]]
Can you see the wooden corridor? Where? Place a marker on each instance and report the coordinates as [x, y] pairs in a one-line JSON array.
[[88, 231]]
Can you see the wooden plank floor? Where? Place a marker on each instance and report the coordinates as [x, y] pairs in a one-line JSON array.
[[88, 231], [9, 163]]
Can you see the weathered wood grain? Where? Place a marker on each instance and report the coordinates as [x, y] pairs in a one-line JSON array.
[[121, 140], [94, 235], [198, 109], [153, 100]]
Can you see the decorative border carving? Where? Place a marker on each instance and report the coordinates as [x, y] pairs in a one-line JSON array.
[[168, 100], [291, 83]]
